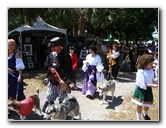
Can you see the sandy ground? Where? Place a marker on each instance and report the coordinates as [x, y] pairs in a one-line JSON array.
[[119, 109]]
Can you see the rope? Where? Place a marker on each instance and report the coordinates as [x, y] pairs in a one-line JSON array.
[[11, 74]]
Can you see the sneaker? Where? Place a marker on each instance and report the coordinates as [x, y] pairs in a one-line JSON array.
[[89, 96], [114, 80], [146, 117], [75, 86]]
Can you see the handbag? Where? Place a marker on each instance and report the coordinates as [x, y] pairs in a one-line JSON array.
[[84, 67], [99, 76]]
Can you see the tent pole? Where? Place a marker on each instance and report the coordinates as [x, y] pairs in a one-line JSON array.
[[66, 38], [20, 41]]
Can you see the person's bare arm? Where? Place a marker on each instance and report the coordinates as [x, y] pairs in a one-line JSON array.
[[152, 85]]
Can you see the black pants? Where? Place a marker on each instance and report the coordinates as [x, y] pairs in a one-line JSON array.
[[115, 69]]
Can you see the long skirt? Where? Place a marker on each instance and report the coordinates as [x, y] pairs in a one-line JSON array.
[[90, 82], [15, 88]]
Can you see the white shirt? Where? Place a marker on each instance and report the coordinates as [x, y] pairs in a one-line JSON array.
[[94, 60], [144, 77], [19, 64], [115, 54]]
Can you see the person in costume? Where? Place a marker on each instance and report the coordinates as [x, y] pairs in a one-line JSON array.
[[143, 95], [91, 66], [61, 61], [15, 67], [114, 58], [74, 59], [111, 62]]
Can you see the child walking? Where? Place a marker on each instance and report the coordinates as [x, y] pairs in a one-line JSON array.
[[143, 95], [74, 59]]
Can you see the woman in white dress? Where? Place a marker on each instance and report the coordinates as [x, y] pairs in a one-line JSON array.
[[91, 66], [143, 95]]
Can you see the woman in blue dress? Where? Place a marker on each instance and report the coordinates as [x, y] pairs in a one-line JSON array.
[[15, 67], [91, 66]]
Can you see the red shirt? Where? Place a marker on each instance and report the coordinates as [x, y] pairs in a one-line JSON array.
[[74, 59], [26, 106]]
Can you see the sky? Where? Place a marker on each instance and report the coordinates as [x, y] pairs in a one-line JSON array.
[[78, 4]]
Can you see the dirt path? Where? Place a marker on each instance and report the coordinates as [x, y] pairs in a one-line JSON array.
[[91, 109], [121, 108]]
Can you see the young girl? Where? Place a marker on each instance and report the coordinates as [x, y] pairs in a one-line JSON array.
[[143, 95], [74, 59]]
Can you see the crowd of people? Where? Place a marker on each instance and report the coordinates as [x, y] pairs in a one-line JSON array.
[[111, 58]]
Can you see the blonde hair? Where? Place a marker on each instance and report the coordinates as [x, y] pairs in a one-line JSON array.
[[12, 41]]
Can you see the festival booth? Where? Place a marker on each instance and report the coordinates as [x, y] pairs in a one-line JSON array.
[[32, 41], [92, 39], [89, 40]]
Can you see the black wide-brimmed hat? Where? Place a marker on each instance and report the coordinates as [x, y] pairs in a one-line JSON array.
[[72, 47], [55, 42]]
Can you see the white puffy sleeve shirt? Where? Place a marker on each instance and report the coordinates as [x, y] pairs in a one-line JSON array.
[[144, 77], [96, 61], [115, 54], [19, 64]]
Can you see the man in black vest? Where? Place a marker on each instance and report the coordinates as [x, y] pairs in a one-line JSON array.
[[61, 61], [115, 56]]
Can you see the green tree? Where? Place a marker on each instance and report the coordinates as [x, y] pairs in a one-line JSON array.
[[122, 23]]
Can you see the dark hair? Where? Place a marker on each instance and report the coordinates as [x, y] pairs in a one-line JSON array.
[[144, 60], [93, 47], [72, 47], [115, 45]]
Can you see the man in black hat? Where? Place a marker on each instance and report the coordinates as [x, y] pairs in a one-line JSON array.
[[61, 61]]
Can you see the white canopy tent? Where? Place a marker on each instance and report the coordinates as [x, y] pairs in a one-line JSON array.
[[42, 25], [40, 29], [20, 29], [38, 26]]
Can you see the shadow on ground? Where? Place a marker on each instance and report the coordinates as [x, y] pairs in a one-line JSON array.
[[114, 103], [33, 116]]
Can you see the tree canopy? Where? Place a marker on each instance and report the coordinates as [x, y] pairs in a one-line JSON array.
[[122, 23]]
